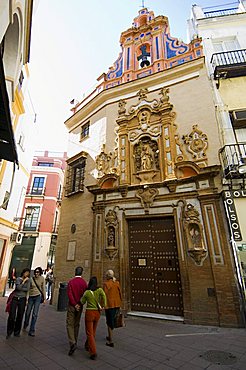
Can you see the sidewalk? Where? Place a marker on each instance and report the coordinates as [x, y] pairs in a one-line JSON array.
[[143, 344]]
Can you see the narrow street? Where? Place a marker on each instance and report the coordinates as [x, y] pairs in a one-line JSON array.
[[142, 344]]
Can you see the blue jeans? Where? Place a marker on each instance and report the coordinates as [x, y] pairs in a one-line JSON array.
[[32, 306]]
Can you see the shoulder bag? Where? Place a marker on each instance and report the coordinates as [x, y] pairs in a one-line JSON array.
[[9, 301], [98, 304], [42, 296]]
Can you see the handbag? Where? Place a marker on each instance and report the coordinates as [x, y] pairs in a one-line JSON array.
[[119, 321], [42, 296], [9, 301]]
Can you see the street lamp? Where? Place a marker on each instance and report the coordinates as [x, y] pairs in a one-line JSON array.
[[29, 212]]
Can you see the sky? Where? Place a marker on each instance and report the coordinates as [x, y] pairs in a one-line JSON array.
[[75, 41]]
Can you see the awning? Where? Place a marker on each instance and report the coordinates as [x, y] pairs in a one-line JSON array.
[[7, 141]]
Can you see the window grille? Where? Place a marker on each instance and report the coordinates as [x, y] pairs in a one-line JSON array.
[[85, 131], [75, 176]]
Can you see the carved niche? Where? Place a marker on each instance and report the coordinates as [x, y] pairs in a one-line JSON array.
[[111, 225], [197, 143], [149, 145], [194, 235], [146, 159]]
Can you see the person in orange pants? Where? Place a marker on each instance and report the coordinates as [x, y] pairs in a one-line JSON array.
[[95, 300]]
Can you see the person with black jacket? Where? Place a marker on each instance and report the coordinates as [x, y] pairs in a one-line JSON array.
[[18, 304]]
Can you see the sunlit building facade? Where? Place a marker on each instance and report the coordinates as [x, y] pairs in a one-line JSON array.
[[17, 122], [39, 221], [143, 185], [223, 30]]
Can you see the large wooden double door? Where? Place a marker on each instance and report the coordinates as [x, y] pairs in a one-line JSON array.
[[154, 266]]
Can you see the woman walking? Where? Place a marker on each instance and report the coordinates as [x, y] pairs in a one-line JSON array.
[[94, 297], [18, 304], [112, 290], [12, 277], [36, 296]]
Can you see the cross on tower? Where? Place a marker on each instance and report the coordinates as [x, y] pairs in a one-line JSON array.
[[143, 4]]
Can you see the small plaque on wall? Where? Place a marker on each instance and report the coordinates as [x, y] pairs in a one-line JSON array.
[[71, 251], [142, 262]]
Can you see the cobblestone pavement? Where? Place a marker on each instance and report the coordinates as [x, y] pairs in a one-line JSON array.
[[143, 344]]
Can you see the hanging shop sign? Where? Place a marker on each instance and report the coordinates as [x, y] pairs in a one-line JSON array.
[[228, 197]]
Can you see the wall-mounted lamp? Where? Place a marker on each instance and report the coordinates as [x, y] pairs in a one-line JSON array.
[[242, 166], [29, 212]]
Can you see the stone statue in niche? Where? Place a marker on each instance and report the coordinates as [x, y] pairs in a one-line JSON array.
[[111, 221], [146, 158], [194, 234], [146, 155], [111, 236]]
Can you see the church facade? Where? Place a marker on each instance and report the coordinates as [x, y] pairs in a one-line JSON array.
[[142, 195]]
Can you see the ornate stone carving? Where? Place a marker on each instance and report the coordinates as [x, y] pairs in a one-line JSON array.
[[122, 109], [142, 94], [106, 163], [123, 190], [146, 155], [194, 235], [164, 96], [197, 143], [111, 247], [142, 97], [147, 196]]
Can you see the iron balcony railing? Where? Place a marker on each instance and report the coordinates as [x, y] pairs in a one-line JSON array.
[[220, 12], [35, 191], [232, 157], [229, 63]]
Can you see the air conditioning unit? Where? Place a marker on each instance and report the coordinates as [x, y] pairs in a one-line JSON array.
[[16, 237], [239, 118]]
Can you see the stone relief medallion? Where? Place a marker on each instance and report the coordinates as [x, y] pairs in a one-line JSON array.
[[197, 143]]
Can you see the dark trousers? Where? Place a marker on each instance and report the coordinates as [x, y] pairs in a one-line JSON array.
[[73, 324], [16, 314]]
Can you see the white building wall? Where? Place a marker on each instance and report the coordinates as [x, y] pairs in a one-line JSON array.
[[41, 251]]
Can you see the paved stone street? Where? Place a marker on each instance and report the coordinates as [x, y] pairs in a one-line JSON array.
[[143, 344]]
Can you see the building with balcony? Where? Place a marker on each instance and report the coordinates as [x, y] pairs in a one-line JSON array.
[[223, 30], [35, 241], [17, 121], [143, 185]]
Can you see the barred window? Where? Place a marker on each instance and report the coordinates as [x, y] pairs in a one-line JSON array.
[[85, 131], [75, 176]]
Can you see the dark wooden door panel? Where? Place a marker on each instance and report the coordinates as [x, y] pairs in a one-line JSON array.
[[154, 267]]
